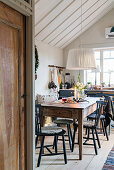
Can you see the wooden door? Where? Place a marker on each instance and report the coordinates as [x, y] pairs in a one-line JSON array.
[[12, 86]]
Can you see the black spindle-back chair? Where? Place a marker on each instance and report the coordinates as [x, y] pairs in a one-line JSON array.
[[42, 132], [91, 125]]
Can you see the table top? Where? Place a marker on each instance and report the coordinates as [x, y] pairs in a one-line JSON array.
[[78, 105]]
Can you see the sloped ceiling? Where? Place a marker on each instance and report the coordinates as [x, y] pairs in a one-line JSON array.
[[59, 22]]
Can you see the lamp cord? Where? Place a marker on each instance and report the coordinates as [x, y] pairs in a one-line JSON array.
[[81, 26]]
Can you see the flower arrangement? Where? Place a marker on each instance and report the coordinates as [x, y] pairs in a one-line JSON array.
[[80, 86], [78, 90]]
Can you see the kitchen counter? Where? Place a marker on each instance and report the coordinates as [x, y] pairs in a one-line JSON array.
[[100, 93]]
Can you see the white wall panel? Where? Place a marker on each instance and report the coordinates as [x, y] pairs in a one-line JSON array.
[[58, 21], [49, 18], [43, 7]]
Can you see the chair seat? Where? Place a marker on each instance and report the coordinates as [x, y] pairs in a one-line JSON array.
[[51, 130], [87, 124], [93, 116], [63, 121]]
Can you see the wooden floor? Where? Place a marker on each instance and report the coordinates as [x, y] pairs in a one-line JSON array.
[[90, 160]]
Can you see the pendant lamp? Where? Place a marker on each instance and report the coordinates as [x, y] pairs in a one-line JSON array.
[[81, 58]]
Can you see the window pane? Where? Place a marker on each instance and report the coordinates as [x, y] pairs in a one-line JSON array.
[[112, 54], [90, 77], [108, 67], [106, 78], [112, 79], [91, 73], [98, 78], [97, 55], [108, 54]]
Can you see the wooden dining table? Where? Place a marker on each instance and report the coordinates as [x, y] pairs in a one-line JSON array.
[[78, 110]]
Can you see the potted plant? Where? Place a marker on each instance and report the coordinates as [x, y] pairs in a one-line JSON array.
[[36, 61]]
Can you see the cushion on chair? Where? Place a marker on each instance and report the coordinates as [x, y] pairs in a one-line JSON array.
[[51, 130], [87, 124], [63, 121], [93, 115]]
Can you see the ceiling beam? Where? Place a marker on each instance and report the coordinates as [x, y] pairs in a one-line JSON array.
[[85, 28], [74, 22], [80, 24], [63, 22], [48, 12], [54, 18]]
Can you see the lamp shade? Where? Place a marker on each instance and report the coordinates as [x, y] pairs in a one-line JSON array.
[[81, 59]]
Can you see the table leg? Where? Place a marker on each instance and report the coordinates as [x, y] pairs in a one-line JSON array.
[[80, 133], [42, 121]]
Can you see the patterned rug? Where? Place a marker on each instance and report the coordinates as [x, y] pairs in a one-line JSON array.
[[109, 164]]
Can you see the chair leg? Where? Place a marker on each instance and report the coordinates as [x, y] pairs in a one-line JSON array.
[[54, 141], [64, 149], [70, 131], [36, 141], [73, 138], [54, 138], [102, 122], [94, 142], [69, 137], [109, 128], [88, 131], [97, 138], [106, 133], [55, 144], [41, 149]]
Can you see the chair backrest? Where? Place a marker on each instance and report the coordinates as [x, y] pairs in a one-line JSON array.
[[98, 111], [37, 119]]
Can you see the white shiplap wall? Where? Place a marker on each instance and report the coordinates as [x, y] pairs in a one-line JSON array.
[[59, 22]]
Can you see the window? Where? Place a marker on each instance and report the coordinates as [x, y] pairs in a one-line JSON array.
[[108, 67], [93, 75], [105, 68]]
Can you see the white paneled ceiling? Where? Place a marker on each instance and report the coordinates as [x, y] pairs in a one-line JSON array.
[[59, 22]]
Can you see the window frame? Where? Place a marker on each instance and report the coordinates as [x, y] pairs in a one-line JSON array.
[[101, 63]]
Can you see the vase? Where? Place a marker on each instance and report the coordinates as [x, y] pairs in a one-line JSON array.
[[78, 94], [75, 92]]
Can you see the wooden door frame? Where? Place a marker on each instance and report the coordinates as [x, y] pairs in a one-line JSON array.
[[30, 83]]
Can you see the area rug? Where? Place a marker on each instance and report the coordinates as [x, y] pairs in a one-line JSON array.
[[109, 164]]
